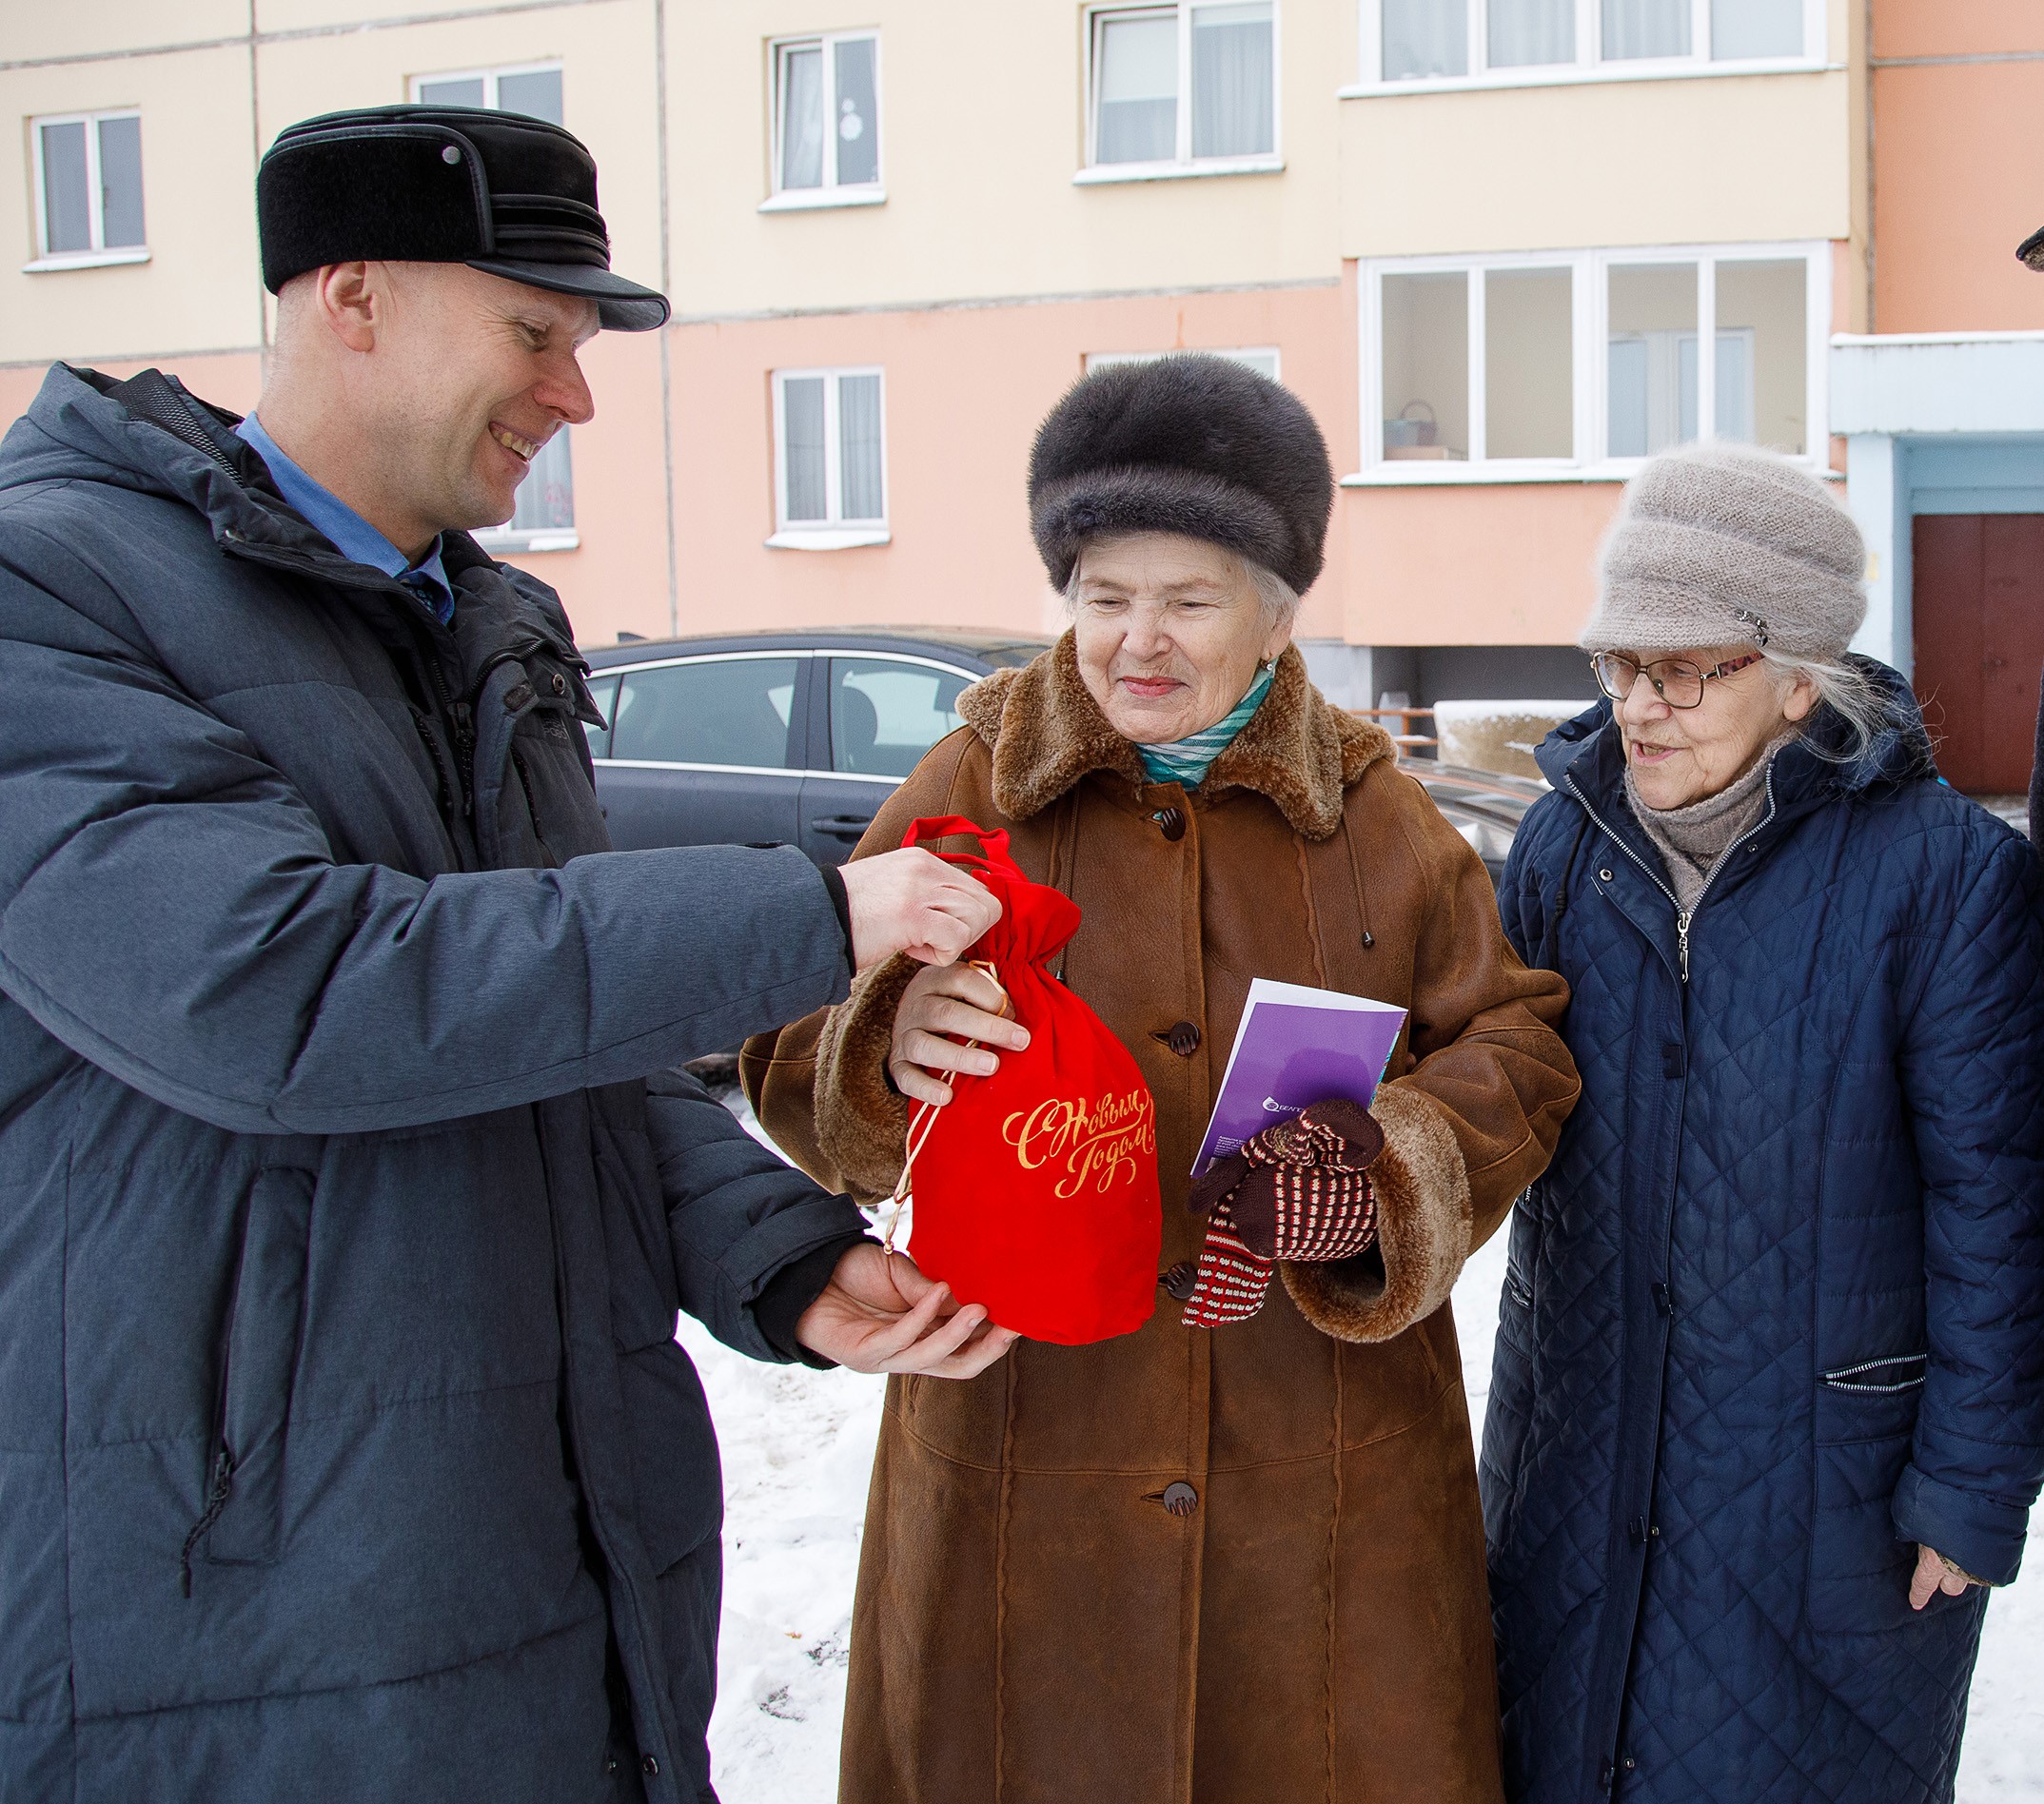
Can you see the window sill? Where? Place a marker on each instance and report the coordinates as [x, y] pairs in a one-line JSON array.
[[1590, 74], [813, 200], [543, 539], [85, 259], [828, 537], [1489, 475], [1101, 175]]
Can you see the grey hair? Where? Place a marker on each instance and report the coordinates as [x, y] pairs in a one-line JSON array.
[[1278, 599], [1845, 688]]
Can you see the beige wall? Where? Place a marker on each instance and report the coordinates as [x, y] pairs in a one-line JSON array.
[[1713, 160], [609, 86], [200, 290], [982, 121], [32, 31]]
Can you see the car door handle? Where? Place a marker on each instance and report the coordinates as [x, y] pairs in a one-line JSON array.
[[843, 825]]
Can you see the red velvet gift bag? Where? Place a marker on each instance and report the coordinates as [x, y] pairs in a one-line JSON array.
[[1036, 1190]]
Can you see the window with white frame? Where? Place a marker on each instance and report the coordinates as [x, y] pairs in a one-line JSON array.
[[827, 118], [1262, 359], [1183, 85], [532, 88], [88, 189], [1437, 40], [830, 457], [1537, 363]]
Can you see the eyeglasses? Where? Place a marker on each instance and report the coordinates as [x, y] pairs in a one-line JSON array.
[[1676, 680]]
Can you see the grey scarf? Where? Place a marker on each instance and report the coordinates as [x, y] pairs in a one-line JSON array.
[[1692, 838]]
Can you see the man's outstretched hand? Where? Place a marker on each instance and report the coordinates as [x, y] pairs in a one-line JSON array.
[[910, 901], [880, 1314]]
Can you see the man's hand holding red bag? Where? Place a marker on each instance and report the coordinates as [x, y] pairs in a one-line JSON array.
[[1299, 1190], [879, 1313]]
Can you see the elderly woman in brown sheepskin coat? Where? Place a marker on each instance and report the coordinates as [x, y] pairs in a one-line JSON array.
[[1197, 1562]]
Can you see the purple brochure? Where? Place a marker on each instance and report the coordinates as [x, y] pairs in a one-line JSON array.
[[1297, 1044]]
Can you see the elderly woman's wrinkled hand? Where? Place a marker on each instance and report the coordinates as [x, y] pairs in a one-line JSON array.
[[1935, 1573], [943, 1011]]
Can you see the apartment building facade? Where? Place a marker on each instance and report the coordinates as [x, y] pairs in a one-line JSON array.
[[1504, 248]]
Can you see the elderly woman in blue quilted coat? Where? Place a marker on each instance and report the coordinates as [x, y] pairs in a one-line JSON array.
[[1767, 1413]]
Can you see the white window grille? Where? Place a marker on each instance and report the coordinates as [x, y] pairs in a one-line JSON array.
[[1182, 89], [532, 88], [1532, 366], [825, 123], [830, 457], [1513, 41], [87, 190]]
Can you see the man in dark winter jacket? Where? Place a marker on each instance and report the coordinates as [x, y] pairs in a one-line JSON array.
[[347, 1190], [2031, 252]]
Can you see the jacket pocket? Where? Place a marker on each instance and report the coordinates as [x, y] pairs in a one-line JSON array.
[[1865, 1424], [264, 1330]]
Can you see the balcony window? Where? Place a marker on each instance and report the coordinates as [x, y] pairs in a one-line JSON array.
[[1511, 367], [1179, 88], [830, 458], [88, 190], [1454, 40], [827, 119]]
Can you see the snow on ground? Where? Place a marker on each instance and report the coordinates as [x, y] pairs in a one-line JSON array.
[[797, 1448]]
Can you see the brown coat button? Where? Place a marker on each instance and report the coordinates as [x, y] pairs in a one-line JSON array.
[[1180, 1498], [1171, 822], [1180, 1280], [1182, 1037]]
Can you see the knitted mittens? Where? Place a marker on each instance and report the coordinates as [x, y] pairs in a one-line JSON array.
[[1298, 1191]]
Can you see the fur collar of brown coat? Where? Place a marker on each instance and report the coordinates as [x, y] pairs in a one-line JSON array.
[[1046, 732]]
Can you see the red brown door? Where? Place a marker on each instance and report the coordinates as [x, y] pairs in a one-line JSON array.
[[1979, 634]]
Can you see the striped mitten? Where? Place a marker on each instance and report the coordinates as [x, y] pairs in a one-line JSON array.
[[1298, 1191]]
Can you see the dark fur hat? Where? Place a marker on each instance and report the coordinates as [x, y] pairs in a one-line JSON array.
[[1192, 444]]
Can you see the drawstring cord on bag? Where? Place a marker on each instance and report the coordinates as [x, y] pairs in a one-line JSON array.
[[922, 1118]]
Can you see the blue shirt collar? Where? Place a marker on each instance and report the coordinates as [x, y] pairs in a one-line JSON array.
[[348, 533]]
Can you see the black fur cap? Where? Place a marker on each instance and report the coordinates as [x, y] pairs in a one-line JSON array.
[[1192, 444]]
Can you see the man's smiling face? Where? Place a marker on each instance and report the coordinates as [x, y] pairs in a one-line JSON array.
[[473, 375]]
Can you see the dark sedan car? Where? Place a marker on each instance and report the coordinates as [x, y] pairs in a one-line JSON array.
[[795, 737]]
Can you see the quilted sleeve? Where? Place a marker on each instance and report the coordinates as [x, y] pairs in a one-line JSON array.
[[1972, 1070]]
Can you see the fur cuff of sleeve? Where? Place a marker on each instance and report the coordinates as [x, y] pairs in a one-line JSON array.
[[861, 1120], [1422, 1187]]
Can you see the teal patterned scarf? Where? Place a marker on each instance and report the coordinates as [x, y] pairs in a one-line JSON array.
[[1188, 761]]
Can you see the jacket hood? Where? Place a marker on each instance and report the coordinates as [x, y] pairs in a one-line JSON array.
[[1046, 732], [1818, 763]]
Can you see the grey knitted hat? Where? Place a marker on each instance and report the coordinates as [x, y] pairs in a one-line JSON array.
[[1723, 544]]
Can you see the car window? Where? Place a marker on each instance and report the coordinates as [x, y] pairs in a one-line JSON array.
[[708, 711], [603, 690], [885, 715]]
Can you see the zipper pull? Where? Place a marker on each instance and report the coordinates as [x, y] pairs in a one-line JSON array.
[[1682, 942]]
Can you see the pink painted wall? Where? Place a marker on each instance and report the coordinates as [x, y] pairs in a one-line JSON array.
[[966, 387], [1505, 563], [1958, 167]]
